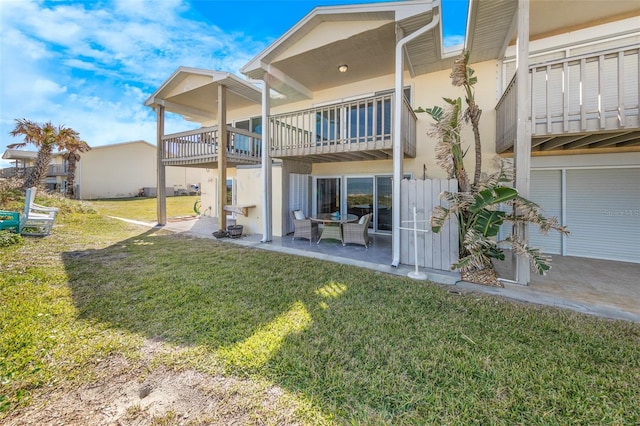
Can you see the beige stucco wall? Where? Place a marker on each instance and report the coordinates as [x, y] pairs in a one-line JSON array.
[[121, 170], [427, 91], [248, 193]]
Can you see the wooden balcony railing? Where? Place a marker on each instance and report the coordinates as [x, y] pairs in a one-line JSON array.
[[597, 92], [354, 130], [52, 170], [201, 147]]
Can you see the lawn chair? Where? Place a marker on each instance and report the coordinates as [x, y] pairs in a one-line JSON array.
[[304, 228], [9, 221], [36, 220], [357, 233]]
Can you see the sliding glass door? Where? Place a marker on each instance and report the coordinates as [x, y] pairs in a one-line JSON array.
[[357, 195], [328, 195], [384, 191]]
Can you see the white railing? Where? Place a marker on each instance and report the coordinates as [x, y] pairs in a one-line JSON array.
[[586, 93], [201, 146], [359, 125]]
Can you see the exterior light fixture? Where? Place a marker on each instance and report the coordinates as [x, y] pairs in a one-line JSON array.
[[343, 68]]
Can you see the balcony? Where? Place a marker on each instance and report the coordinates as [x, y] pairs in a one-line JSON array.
[[348, 131], [57, 170], [583, 102], [19, 172], [199, 148]]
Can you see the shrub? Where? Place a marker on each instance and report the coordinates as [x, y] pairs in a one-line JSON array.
[[9, 238]]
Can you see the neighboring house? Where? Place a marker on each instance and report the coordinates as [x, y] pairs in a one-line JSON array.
[[339, 89], [124, 169], [118, 170], [24, 161]]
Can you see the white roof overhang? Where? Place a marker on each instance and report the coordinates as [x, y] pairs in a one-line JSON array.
[[491, 26], [193, 93], [306, 58]]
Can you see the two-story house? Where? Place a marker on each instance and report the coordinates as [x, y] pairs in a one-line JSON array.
[[325, 121]]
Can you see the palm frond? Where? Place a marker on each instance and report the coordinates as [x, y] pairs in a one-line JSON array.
[[540, 263]]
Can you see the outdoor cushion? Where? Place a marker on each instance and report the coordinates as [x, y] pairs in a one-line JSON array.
[[362, 220], [298, 214]]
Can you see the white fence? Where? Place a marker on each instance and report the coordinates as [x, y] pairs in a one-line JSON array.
[[435, 251]]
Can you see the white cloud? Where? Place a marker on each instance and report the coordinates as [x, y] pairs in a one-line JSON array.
[[453, 41], [92, 69]]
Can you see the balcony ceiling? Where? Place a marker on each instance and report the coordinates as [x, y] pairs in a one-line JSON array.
[[368, 53], [492, 23], [193, 93]]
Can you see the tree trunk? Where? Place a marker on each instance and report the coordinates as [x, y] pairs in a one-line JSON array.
[[474, 116], [39, 172], [71, 177]]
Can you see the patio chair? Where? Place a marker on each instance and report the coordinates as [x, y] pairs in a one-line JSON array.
[[304, 227], [36, 220], [357, 233]]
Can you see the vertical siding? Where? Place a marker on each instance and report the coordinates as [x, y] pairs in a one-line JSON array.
[[603, 213], [546, 192], [298, 197], [435, 251]]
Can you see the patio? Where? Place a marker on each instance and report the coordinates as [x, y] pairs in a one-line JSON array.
[[597, 287]]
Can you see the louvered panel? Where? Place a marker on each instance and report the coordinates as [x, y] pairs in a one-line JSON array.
[[610, 93], [545, 191], [574, 89], [631, 73], [590, 88], [555, 93], [603, 213], [540, 96], [298, 197]]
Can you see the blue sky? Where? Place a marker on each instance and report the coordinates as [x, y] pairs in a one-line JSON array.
[[90, 65]]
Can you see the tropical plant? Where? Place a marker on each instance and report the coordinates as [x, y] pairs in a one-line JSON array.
[[73, 147], [45, 137], [483, 207]]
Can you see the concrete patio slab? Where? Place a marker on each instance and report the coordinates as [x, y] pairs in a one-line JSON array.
[[597, 287]]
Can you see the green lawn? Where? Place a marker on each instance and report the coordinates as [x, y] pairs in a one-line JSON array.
[[144, 209], [346, 345]]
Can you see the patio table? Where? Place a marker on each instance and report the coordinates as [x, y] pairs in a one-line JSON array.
[[331, 224]]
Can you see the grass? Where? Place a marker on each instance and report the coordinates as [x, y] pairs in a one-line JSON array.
[[144, 209], [347, 345]]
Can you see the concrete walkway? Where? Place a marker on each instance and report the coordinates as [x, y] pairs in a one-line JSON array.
[[597, 287]]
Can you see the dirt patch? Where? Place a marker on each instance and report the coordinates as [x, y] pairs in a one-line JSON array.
[[127, 393]]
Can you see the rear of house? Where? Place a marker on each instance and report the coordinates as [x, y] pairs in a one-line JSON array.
[[333, 128]]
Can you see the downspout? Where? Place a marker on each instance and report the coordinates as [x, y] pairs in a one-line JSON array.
[[398, 154], [267, 200]]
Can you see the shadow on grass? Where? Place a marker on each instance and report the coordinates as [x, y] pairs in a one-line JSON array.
[[361, 346]]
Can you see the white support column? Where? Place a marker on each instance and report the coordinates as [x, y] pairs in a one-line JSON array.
[[161, 200], [522, 149], [267, 199], [222, 156]]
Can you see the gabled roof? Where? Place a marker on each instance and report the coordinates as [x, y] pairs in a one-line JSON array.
[[306, 58], [193, 93]]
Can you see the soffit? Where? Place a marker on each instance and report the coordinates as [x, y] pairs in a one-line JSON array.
[[492, 23], [309, 54], [193, 93]]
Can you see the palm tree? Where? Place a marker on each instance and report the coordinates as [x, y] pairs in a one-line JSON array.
[[45, 137], [73, 147]]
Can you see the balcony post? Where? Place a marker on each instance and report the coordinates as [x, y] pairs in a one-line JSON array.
[[161, 200], [522, 149], [222, 156], [266, 172]]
